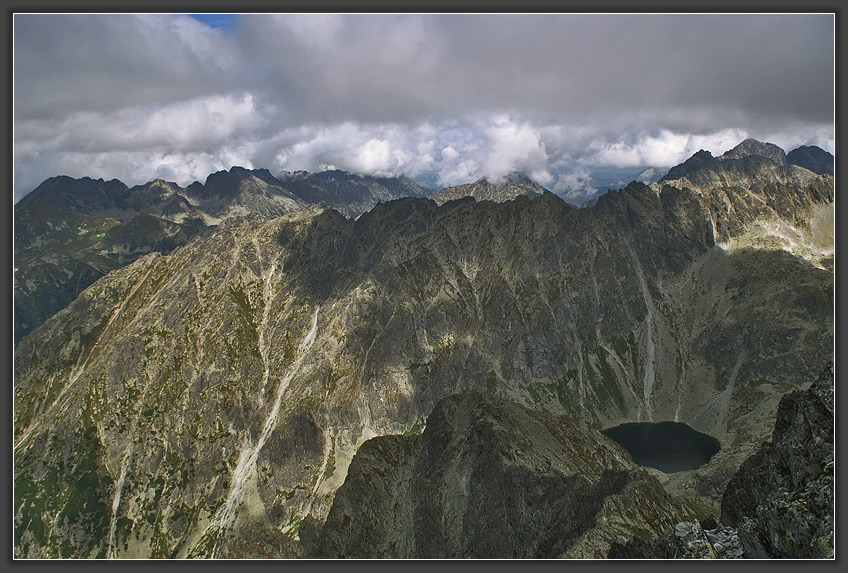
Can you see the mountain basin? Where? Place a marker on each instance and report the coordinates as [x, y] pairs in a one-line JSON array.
[[667, 446]]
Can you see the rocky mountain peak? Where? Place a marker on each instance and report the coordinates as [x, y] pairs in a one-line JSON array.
[[752, 146], [85, 195], [813, 158], [749, 155], [226, 179], [238, 180], [698, 161]]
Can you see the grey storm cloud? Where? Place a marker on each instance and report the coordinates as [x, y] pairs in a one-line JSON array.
[[143, 96]]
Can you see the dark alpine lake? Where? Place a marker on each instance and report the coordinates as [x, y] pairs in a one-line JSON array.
[[667, 446]]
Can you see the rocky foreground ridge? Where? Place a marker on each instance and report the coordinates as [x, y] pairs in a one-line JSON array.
[[208, 402]]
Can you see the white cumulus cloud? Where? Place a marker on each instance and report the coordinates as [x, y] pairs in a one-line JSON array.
[[450, 96]]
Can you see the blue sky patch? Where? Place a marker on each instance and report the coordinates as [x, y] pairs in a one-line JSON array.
[[225, 21]]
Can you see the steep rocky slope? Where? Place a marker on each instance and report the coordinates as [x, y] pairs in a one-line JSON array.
[[204, 402], [493, 479], [511, 186], [61, 240], [70, 232]]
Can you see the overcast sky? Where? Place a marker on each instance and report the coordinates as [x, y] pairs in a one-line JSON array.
[[138, 97]]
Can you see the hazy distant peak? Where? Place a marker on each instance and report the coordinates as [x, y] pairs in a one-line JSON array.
[[651, 174], [511, 178]]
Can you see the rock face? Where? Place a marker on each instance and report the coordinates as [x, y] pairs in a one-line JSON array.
[[513, 185], [490, 478], [349, 194], [208, 402], [781, 499]]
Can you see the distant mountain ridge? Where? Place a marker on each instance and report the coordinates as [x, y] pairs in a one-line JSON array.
[[813, 158], [350, 194]]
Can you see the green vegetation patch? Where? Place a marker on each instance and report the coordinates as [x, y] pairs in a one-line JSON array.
[[416, 428], [71, 497], [330, 468], [492, 381]]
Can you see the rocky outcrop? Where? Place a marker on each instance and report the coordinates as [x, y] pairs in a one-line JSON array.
[[781, 499], [489, 478], [688, 540], [508, 188]]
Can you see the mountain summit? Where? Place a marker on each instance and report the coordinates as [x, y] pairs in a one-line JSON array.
[[813, 158], [753, 147]]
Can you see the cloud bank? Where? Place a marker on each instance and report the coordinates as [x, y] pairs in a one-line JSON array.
[[453, 97]]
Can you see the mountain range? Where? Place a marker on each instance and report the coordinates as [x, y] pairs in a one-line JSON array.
[[70, 232], [427, 379]]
